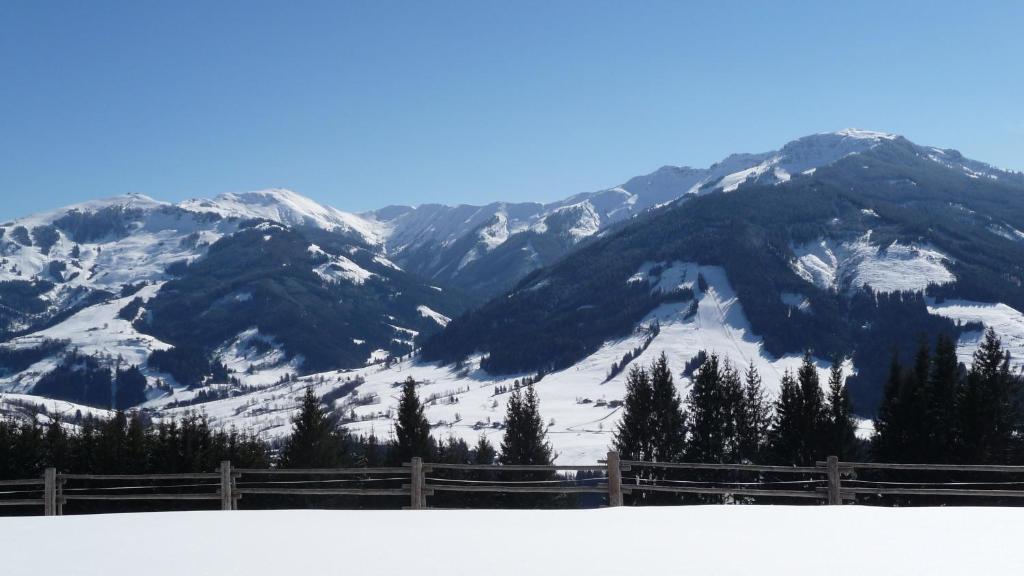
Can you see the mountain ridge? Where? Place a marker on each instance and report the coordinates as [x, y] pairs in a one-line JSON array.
[[236, 303]]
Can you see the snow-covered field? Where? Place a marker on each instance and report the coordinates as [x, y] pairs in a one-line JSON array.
[[832, 265], [699, 540], [1006, 321]]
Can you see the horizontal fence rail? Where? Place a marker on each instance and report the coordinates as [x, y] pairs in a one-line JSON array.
[[829, 481], [17, 493], [853, 485]]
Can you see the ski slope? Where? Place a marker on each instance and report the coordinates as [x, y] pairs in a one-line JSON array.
[[699, 540]]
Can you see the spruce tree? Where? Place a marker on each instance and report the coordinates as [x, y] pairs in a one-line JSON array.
[[989, 407], [916, 399], [941, 411], [412, 430], [525, 440], [483, 452], [787, 439], [889, 442], [813, 417], [58, 446], [316, 440], [732, 407], [634, 435], [668, 425], [753, 418], [706, 409], [841, 434]]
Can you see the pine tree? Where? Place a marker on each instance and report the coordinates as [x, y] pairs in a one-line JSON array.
[[316, 440], [787, 435], [668, 424], [732, 408], [753, 418], [841, 437], [941, 411], [812, 419], [412, 430], [483, 452], [58, 446], [916, 399], [706, 407], [634, 435], [989, 408], [890, 442], [525, 440]]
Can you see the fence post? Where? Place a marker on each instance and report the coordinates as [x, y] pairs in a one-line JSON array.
[[416, 486], [50, 492], [59, 509], [614, 480], [835, 496], [227, 499]]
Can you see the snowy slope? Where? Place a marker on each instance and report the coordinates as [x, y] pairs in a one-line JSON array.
[[288, 208], [1006, 321], [705, 540], [407, 227], [438, 241], [89, 261], [833, 265], [160, 235], [95, 331], [575, 402]]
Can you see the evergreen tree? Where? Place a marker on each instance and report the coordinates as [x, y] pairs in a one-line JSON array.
[[634, 435], [58, 446], [316, 440], [890, 431], [916, 399], [753, 418], [483, 452], [412, 431], [787, 435], [707, 411], [990, 405], [813, 417], [732, 409], [668, 423], [525, 440], [841, 437], [941, 411], [372, 451]]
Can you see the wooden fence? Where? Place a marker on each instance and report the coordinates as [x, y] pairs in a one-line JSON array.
[[828, 482]]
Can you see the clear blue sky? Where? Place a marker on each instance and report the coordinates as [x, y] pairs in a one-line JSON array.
[[363, 104]]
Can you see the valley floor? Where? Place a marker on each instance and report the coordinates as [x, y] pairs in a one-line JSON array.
[[704, 540]]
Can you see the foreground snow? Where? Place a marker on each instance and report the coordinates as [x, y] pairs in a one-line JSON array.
[[721, 540]]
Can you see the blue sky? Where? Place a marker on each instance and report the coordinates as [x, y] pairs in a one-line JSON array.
[[364, 104]]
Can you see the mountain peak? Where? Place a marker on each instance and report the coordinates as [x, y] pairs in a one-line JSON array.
[[865, 134], [286, 207]]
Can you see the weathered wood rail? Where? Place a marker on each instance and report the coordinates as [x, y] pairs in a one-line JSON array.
[[849, 470], [828, 482]]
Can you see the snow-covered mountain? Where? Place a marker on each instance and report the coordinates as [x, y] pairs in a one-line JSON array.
[[288, 208], [226, 281], [485, 249], [843, 241]]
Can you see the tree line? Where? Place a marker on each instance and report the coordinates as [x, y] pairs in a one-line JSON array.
[[934, 411]]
